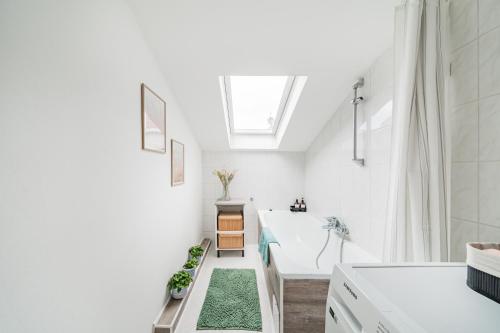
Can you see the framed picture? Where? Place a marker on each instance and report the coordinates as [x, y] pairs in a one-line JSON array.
[[177, 166], [153, 114]]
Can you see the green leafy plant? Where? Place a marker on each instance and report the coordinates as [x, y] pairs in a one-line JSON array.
[[196, 251], [191, 263], [179, 281]]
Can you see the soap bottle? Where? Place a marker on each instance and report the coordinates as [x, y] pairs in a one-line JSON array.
[[296, 205], [302, 205]]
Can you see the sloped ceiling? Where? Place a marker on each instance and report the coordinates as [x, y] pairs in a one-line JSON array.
[[332, 42]]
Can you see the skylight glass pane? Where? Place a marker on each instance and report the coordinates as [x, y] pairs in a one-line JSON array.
[[256, 101]]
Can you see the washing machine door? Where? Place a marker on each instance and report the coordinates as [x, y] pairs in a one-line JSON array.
[[338, 319]]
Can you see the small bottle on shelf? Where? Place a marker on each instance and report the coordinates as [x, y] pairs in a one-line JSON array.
[[303, 205], [296, 205]]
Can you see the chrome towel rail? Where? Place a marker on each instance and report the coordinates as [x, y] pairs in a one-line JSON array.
[[355, 101]]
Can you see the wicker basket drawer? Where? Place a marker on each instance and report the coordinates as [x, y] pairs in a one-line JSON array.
[[230, 222], [230, 241]]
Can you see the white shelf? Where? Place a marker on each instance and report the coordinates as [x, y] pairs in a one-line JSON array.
[[235, 202]]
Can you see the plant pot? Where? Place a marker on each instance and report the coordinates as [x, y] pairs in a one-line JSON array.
[[191, 271], [197, 258], [178, 294]]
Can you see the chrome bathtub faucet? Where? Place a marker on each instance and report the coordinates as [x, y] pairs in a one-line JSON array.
[[336, 225]]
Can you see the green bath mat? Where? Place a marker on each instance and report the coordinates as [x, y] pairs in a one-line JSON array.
[[232, 301]]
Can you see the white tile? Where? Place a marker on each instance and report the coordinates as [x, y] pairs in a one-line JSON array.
[[489, 125], [464, 133], [346, 150], [209, 191], [380, 109], [379, 189], [250, 209], [461, 233], [463, 80], [463, 22], [489, 13], [382, 73], [220, 160], [189, 318], [208, 207], [355, 186], [489, 193], [208, 234], [206, 159], [464, 191], [209, 223], [489, 63], [208, 176], [489, 234], [345, 110], [380, 147]]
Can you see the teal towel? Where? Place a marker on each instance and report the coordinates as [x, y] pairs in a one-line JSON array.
[[266, 238]]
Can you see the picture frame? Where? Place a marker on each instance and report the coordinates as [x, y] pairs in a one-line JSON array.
[[177, 162], [153, 121]]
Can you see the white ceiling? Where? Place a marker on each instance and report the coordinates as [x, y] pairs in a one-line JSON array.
[[330, 41]]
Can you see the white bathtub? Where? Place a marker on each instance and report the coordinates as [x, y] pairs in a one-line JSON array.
[[301, 238]]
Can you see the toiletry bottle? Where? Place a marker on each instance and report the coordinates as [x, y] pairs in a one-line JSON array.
[[297, 205], [302, 205]]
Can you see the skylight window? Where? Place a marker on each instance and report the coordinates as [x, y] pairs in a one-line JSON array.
[[258, 109], [256, 104]]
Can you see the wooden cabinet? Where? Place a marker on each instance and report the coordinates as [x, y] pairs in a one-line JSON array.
[[230, 226]]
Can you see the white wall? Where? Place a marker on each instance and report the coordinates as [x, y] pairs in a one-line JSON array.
[[273, 179], [475, 120], [90, 229], [334, 185]]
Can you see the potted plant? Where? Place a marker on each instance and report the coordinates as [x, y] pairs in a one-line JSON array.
[[196, 252], [178, 284], [190, 266], [225, 178]]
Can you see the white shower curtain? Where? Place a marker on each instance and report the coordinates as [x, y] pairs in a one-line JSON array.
[[417, 208]]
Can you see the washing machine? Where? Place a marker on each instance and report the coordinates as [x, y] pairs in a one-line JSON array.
[[431, 298]]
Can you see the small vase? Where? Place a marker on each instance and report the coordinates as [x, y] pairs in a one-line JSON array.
[[225, 193]]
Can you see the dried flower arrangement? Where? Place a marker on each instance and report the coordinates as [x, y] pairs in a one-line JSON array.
[[225, 178]]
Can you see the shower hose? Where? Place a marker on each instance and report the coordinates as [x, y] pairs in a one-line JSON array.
[[324, 247]]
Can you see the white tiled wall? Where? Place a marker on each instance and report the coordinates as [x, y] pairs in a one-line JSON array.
[[273, 179], [334, 184], [475, 119]]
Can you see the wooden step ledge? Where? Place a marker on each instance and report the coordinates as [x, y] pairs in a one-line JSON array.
[[170, 314]]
